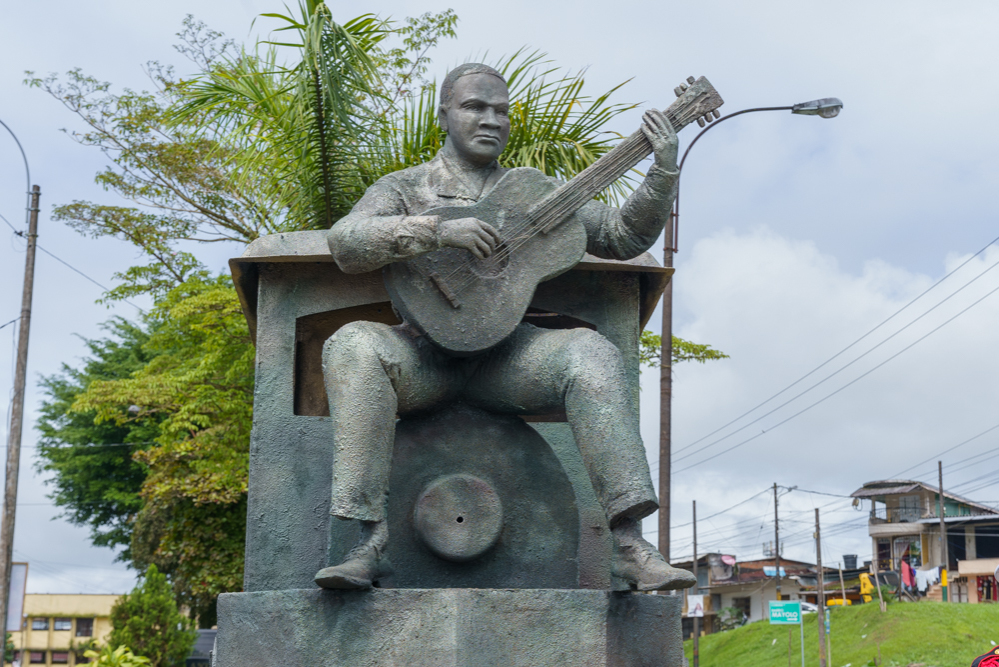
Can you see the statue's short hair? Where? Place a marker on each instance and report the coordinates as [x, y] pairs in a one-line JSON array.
[[447, 88]]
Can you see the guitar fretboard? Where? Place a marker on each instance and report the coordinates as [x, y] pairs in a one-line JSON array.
[[590, 182]]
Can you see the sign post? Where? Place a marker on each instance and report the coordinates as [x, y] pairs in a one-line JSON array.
[[786, 612]]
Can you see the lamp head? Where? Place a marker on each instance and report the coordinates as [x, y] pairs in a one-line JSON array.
[[827, 107]]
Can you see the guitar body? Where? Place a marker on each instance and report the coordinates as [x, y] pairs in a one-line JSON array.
[[465, 305]]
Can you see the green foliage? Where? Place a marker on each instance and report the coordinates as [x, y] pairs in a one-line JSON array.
[[730, 618], [94, 477], [198, 387], [119, 657], [8, 648], [932, 633], [147, 621], [650, 350]]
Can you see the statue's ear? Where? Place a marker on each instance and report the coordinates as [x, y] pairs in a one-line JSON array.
[[442, 118]]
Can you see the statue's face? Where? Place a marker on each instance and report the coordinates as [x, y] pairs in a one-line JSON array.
[[478, 122]]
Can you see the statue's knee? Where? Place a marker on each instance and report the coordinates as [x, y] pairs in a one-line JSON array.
[[592, 356], [353, 342]]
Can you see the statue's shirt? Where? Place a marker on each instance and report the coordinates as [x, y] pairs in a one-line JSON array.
[[387, 225]]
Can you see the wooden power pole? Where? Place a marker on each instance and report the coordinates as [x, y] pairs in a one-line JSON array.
[[822, 592], [943, 524], [666, 400], [776, 543], [697, 591], [17, 409]]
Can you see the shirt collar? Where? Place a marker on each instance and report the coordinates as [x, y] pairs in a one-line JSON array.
[[446, 182]]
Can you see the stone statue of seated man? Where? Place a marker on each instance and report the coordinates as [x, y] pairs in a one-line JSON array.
[[374, 371]]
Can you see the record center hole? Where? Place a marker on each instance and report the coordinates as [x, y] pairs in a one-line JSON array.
[[460, 519]]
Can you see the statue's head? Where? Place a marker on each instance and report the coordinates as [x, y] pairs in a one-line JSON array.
[[474, 112]]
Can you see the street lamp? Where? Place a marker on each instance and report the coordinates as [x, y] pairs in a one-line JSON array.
[[827, 107], [17, 400]]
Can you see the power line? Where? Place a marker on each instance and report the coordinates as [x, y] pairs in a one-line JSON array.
[[849, 384], [841, 369], [827, 361], [947, 451], [68, 265]]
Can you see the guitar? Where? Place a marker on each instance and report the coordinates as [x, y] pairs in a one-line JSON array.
[[465, 305]]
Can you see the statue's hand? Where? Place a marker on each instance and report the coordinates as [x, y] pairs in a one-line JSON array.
[[662, 136], [480, 238]]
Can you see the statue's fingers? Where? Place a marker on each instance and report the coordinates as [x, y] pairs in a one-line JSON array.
[[491, 231], [483, 249]]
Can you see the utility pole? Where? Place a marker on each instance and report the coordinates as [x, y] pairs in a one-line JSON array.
[[943, 524], [17, 409], [822, 591], [776, 542], [697, 588], [943, 534], [666, 397]]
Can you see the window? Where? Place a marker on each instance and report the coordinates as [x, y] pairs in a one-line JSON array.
[[742, 604], [81, 659], [60, 657], [84, 627], [62, 624], [36, 657], [39, 624]]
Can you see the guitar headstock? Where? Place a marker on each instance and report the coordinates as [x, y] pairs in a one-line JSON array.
[[696, 100]]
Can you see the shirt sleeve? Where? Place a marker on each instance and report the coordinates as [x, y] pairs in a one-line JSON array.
[[377, 231], [631, 230]]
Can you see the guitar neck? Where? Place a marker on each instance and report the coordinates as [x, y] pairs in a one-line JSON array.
[[593, 180]]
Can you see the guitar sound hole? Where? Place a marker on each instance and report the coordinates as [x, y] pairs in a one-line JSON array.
[[493, 265]]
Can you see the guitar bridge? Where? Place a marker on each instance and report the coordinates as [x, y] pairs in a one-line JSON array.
[[445, 289]]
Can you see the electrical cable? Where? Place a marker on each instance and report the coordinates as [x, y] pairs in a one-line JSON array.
[[883, 322], [841, 369], [847, 385], [68, 265]]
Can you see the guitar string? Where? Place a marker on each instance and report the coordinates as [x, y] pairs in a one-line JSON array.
[[565, 201], [625, 155]]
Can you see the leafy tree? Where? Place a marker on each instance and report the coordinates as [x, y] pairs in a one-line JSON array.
[[119, 657], [198, 388], [650, 350], [148, 622], [94, 477], [8, 648]]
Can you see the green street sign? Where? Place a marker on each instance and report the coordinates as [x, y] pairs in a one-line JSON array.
[[784, 612]]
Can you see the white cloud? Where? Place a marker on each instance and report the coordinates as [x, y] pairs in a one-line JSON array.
[[780, 307]]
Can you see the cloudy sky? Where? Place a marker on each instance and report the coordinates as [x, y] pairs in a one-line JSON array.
[[799, 236]]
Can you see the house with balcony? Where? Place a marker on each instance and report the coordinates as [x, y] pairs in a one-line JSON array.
[[904, 521]]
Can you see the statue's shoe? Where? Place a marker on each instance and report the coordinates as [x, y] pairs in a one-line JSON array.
[[362, 568], [639, 566]]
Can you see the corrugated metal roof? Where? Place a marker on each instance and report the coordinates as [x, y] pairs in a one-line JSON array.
[[865, 492]]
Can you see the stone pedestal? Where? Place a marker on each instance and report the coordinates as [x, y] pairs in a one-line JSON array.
[[448, 627]]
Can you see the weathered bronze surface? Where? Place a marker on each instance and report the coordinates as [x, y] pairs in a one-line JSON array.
[[462, 340]]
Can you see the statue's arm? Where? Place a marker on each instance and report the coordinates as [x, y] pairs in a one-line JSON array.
[[631, 230], [378, 232]]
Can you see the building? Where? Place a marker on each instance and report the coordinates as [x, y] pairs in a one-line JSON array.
[[905, 523], [748, 586], [57, 627]]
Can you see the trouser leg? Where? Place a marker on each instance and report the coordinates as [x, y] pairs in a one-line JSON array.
[[373, 372], [544, 370]]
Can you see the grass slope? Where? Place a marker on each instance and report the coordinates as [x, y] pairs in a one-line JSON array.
[[934, 633]]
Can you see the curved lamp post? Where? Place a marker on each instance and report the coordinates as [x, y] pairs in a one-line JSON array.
[[827, 107]]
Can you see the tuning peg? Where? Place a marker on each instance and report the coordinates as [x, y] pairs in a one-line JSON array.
[[683, 86], [716, 114], [690, 79], [700, 122], [708, 118], [678, 90]]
